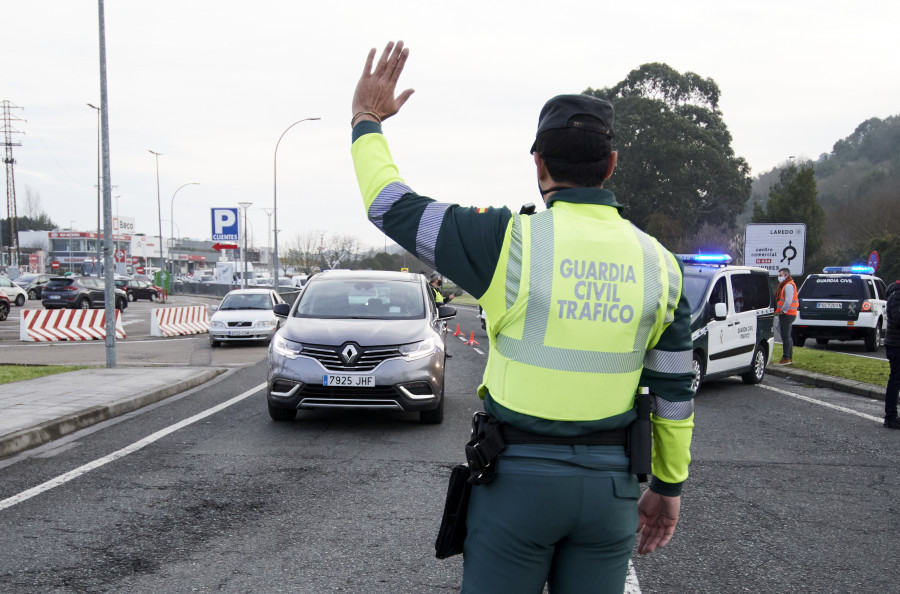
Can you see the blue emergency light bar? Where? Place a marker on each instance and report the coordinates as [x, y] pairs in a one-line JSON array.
[[705, 258], [857, 269]]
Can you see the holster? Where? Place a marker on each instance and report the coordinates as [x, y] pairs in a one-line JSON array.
[[639, 444], [484, 448]]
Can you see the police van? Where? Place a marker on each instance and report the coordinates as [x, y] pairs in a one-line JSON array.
[[844, 303], [732, 317]]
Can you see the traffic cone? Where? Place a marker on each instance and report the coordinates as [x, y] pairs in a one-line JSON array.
[[472, 340], [458, 331]]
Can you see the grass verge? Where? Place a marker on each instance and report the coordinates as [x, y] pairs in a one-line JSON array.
[[860, 369], [464, 299], [15, 373]]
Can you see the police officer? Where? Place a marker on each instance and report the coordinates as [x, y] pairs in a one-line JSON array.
[[584, 308], [786, 307], [435, 282]]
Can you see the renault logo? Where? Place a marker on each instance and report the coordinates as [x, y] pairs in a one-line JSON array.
[[349, 354]]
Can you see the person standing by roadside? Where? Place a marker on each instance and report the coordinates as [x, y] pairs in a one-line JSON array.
[[786, 309], [892, 350]]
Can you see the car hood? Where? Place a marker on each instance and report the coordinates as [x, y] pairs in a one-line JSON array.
[[242, 315], [362, 332]]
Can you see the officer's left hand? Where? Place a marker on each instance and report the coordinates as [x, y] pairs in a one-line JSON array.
[[375, 89], [658, 516]]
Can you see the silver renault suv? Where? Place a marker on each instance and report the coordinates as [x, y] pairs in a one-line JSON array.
[[363, 340]]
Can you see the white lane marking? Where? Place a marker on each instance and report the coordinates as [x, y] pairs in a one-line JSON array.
[[462, 338], [821, 403], [73, 474], [60, 343], [479, 351], [631, 582]]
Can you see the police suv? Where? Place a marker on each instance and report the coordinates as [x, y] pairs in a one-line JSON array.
[[844, 303], [732, 317]]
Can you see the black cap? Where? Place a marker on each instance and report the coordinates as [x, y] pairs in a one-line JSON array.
[[568, 111]]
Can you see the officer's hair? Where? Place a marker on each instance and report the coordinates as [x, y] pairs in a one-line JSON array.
[[787, 271], [574, 156]]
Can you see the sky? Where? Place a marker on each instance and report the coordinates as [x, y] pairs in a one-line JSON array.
[[213, 84]]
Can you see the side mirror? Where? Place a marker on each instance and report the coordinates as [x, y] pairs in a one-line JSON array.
[[445, 312], [721, 311], [282, 309], [214, 307]]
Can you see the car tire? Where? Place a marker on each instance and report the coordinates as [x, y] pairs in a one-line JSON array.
[[281, 415], [152, 297], [873, 338], [698, 369], [821, 341], [20, 300], [121, 304], [433, 416], [131, 297], [213, 343], [4, 311], [32, 294], [758, 372], [798, 339], [83, 303]]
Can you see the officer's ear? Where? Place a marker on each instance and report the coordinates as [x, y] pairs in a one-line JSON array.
[[613, 159], [541, 166]]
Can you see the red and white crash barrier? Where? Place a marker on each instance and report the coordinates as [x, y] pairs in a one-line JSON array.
[[48, 325], [179, 321]]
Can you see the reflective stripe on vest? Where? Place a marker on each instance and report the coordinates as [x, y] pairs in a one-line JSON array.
[[544, 360]]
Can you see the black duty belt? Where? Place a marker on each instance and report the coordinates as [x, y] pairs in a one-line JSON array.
[[612, 437]]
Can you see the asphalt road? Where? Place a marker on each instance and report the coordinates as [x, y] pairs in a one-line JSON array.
[[792, 490]]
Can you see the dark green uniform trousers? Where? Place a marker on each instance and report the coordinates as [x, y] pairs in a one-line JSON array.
[[575, 533]]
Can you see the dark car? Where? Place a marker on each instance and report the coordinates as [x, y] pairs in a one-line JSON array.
[[78, 292], [33, 283], [138, 289]]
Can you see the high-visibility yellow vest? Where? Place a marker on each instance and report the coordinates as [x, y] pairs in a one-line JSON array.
[[578, 296], [438, 297]]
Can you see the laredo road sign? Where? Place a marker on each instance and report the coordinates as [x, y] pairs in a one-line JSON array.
[[225, 224], [776, 245]]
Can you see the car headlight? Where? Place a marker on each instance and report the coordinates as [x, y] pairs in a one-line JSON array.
[[286, 348], [216, 324], [264, 324], [417, 350]]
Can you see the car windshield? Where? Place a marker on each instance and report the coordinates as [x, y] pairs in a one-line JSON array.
[[695, 289], [829, 287], [362, 299], [246, 301]]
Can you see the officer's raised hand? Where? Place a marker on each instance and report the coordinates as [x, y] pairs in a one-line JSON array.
[[374, 98]]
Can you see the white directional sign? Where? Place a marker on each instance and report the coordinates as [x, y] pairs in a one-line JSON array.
[[225, 224], [776, 245]]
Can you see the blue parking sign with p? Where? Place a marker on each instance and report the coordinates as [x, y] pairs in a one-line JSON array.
[[225, 224]]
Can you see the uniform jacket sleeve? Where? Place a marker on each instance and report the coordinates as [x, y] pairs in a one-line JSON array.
[[668, 372], [462, 243]]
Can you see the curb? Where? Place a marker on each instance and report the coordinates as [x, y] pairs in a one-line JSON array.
[[827, 381], [37, 435]]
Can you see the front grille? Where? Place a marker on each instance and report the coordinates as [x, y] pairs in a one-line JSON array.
[[341, 394], [368, 358], [239, 324]]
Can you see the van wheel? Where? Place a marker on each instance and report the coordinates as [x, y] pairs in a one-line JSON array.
[[758, 372], [822, 341], [798, 339], [20, 300], [698, 371], [873, 338]]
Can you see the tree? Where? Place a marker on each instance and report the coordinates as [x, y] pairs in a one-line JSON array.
[[677, 170], [793, 200], [304, 251]]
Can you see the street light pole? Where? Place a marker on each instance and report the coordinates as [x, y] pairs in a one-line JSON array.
[[269, 212], [172, 224], [245, 206], [159, 213], [98, 185], [275, 192]]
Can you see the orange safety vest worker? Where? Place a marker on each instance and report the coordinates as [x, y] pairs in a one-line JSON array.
[[794, 305]]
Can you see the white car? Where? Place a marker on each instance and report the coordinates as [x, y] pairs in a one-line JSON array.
[[245, 315], [15, 293]]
